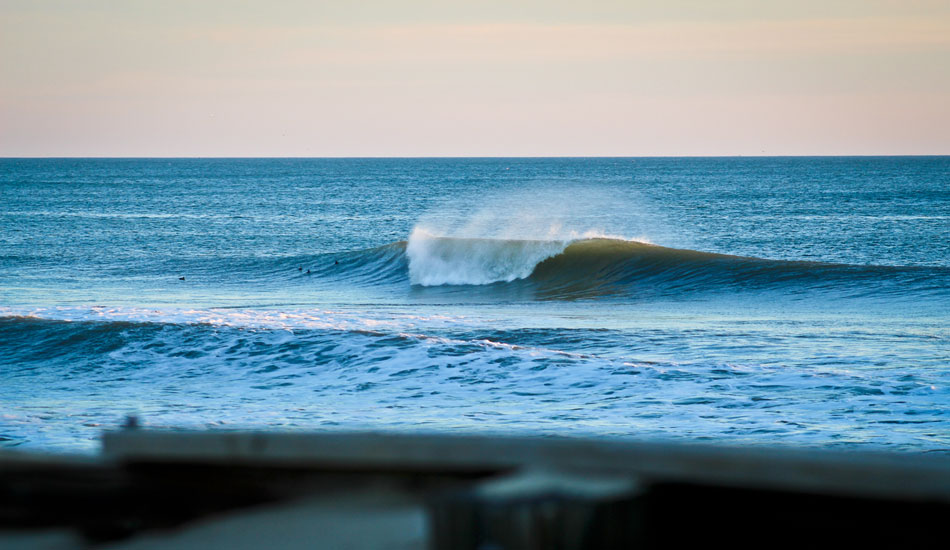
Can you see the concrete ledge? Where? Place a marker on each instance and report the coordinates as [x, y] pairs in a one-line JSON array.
[[882, 475]]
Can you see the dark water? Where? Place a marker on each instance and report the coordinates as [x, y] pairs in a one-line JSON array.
[[800, 301]]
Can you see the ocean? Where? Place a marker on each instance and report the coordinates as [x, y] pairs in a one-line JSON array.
[[744, 301]]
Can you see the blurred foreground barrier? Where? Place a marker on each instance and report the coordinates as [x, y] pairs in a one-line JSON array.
[[168, 489]]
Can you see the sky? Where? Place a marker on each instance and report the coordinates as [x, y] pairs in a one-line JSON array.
[[489, 78]]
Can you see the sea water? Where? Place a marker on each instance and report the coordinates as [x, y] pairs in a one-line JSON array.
[[743, 301]]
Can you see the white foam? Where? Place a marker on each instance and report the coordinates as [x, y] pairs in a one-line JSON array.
[[435, 260], [239, 318]]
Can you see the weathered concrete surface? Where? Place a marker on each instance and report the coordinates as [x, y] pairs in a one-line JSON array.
[[46, 539], [540, 510], [370, 521]]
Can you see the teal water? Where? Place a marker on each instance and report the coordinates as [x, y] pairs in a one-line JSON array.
[[796, 301]]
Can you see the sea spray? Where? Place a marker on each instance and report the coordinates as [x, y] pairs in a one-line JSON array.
[[550, 210]]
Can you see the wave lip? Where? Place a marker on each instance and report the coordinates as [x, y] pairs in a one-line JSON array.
[[436, 261]]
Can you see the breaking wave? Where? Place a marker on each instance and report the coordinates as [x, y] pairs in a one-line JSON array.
[[594, 267], [519, 269]]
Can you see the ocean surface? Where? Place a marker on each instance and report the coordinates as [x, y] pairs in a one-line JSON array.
[[744, 301]]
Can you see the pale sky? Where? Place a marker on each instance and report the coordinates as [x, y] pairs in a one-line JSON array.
[[483, 78]]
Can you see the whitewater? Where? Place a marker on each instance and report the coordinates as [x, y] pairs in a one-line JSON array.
[[789, 301]]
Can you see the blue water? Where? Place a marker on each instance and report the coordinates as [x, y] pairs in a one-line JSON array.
[[779, 301]]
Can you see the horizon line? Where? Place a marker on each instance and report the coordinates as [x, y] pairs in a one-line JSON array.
[[457, 157]]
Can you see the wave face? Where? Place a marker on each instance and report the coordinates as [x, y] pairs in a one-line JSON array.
[[608, 265]]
